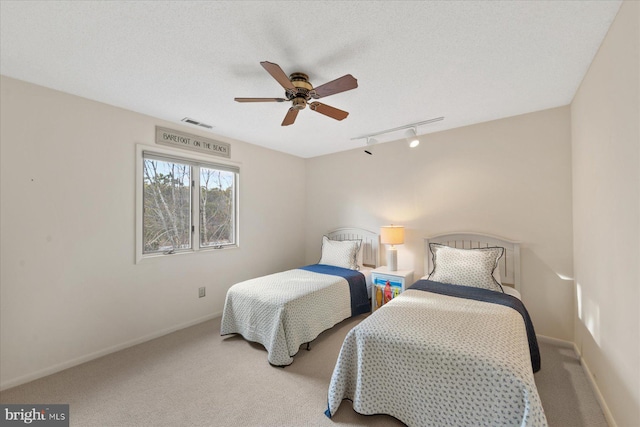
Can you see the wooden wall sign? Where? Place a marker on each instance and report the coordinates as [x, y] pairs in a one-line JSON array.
[[187, 141]]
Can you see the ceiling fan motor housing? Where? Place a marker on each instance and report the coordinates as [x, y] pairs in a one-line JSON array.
[[301, 95]]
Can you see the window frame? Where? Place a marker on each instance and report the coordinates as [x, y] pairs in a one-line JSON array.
[[195, 161]]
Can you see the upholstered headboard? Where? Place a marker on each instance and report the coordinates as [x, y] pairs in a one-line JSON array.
[[370, 243], [509, 264]]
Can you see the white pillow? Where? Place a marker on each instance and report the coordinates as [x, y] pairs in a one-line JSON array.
[[340, 253], [467, 267], [496, 275]]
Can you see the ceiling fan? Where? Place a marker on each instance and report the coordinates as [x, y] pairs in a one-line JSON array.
[[299, 91]]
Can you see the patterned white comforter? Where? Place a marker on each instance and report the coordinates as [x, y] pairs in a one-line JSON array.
[[434, 360], [281, 311]]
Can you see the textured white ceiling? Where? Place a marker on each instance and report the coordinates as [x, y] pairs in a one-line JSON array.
[[470, 61]]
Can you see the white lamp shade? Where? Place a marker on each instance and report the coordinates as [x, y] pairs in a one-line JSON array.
[[392, 235]]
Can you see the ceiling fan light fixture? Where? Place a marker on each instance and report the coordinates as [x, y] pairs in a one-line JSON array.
[[299, 103], [412, 137]]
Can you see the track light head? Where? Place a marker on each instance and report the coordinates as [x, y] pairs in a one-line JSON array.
[[412, 137], [370, 143]]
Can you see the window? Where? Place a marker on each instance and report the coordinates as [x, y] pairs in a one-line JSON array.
[[217, 207], [167, 206], [187, 204]]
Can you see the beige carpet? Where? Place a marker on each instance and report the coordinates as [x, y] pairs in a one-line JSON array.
[[194, 377]]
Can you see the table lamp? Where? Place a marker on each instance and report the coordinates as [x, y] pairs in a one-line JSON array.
[[392, 235]]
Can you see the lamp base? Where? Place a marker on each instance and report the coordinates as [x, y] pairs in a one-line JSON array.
[[392, 259]]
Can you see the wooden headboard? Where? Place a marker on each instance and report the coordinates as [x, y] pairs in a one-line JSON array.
[[509, 264], [370, 243]]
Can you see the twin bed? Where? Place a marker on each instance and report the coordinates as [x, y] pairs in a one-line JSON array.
[[456, 348], [284, 310], [445, 354]]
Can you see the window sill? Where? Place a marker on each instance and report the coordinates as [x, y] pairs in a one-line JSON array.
[[143, 259]]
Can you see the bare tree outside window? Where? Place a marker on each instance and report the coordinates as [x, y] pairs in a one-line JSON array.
[[216, 207], [167, 206]]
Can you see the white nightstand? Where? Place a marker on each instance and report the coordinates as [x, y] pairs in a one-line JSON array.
[[398, 280]]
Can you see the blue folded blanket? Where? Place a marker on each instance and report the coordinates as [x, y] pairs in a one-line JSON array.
[[357, 285]]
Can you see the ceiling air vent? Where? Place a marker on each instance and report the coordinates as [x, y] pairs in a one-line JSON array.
[[197, 123]]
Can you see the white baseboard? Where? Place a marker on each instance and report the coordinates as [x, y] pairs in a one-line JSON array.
[[594, 386], [556, 341], [608, 416], [86, 358]]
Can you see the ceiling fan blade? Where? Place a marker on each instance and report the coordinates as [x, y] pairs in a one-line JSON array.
[[341, 84], [277, 73], [260, 99], [290, 117], [329, 111]]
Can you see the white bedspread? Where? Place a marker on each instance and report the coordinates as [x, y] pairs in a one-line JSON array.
[[281, 311], [435, 360]]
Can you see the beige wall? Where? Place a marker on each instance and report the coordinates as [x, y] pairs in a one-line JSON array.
[[606, 195], [70, 290], [510, 177]]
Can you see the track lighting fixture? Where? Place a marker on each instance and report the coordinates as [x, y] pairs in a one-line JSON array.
[[411, 134]]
